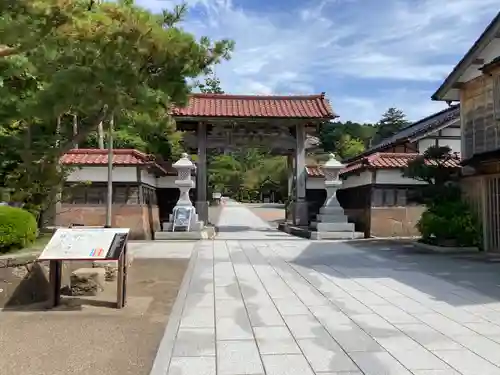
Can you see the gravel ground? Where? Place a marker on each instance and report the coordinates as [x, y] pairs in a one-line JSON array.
[[89, 337]]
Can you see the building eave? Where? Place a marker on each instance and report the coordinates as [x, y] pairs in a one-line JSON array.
[[491, 32]]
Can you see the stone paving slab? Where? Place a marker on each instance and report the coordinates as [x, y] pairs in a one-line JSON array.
[[300, 307]]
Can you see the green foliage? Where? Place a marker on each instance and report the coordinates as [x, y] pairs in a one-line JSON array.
[[246, 174], [60, 58], [392, 121], [433, 167], [211, 85], [450, 223], [346, 139], [18, 228], [348, 147]]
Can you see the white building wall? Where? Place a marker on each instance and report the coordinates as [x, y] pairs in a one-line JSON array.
[[148, 178], [100, 174], [451, 132], [454, 144], [364, 178], [394, 177], [315, 183], [489, 53], [424, 144]]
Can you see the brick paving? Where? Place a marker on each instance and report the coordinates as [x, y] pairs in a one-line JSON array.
[[288, 306]]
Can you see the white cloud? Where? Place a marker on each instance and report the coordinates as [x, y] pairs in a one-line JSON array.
[[327, 43]]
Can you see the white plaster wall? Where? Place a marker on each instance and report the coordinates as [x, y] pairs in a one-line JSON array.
[[148, 178], [488, 54], [424, 144], [451, 132], [454, 144], [315, 183], [364, 178], [394, 177], [100, 174]]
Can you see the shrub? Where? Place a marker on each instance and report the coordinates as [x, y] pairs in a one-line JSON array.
[[18, 228], [450, 223]]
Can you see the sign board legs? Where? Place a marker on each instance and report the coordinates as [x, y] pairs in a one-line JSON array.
[[121, 297], [55, 275]]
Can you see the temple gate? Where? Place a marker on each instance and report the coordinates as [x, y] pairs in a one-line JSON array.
[[279, 124]]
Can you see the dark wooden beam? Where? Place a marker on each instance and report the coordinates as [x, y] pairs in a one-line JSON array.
[[457, 85], [477, 62]]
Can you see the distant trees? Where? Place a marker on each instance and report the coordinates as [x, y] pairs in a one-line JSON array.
[[392, 121], [348, 139], [248, 173]]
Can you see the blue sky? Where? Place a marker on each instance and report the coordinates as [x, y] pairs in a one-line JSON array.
[[367, 55]]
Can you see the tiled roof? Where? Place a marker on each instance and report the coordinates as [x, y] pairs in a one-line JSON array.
[[314, 171], [223, 105], [417, 129], [378, 160], [388, 160], [99, 157]]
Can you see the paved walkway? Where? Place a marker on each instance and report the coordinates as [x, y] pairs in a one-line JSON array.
[[301, 307], [238, 222]]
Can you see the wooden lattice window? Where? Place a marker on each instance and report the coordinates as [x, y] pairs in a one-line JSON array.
[[496, 96]]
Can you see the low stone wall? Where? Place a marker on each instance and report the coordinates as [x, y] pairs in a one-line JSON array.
[[395, 221], [143, 220], [387, 221]]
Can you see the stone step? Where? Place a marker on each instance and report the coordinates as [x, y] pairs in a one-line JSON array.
[[336, 235], [331, 218], [335, 227], [332, 210]]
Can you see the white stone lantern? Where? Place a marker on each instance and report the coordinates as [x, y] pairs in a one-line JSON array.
[[332, 170], [184, 217], [184, 180], [332, 222]]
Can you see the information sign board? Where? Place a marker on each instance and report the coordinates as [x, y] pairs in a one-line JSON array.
[[182, 218], [85, 244]]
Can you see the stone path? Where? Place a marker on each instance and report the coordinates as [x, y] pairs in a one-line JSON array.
[[238, 222], [300, 307]]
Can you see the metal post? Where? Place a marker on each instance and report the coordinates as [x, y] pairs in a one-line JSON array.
[[109, 203]]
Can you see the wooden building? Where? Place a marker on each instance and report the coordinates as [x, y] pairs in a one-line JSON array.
[[475, 83], [374, 193], [144, 192]]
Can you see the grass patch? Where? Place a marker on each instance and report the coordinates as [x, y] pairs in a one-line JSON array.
[[39, 244]]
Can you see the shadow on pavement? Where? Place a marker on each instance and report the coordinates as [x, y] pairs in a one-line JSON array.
[[455, 280]]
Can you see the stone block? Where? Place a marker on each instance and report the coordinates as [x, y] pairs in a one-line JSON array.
[[335, 227], [87, 281], [110, 268], [336, 235]]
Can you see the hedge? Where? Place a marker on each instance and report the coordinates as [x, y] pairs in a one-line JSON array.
[[18, 228]]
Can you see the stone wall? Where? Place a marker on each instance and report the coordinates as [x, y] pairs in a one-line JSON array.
[[143, 220], [386, 221], [395, 221]]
